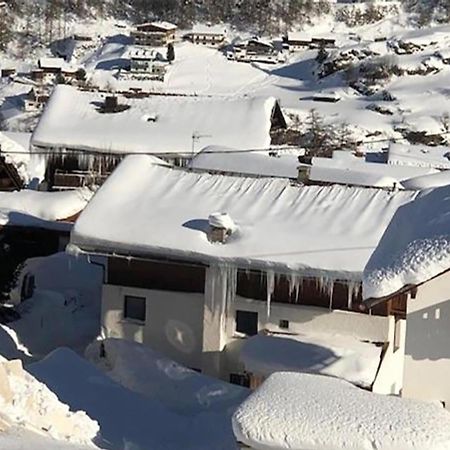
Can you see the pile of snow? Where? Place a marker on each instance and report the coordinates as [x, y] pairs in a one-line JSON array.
[[143, 208], [27, 207], [156, 124], [419, 156], [227, 160], [128, 419], [299, 411], [66, 287], [29, 404], [414, 248], [339, 356], [144, 371]]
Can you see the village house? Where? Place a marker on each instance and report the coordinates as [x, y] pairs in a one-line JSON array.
[[239, 277], [297, 40], [50, 67], [83, 132], [411, 265], [436, 157], [147, 63], [255, 50], [154, 34], [213, 36]]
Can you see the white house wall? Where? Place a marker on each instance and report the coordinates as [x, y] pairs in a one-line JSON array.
[[173, 325], [427, 359]]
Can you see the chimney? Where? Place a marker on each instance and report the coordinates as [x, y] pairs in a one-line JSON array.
[[221, 226], [111, 103]]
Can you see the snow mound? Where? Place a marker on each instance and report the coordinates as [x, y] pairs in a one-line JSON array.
[[428, 181], [336, 355], [414, 248], [146, 372], [27, 403], [299, 411]]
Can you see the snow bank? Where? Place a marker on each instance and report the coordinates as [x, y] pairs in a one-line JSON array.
[[414, 248], [29, 207], [311, 229], [227, 160], [336, 355], [142, 370], [157, 124], [27, 403], [300, 411], [127, 419]]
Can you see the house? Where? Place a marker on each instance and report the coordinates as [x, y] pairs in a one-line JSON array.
[[255, 50], [8, 72], [411, 265], [228, 161], [154, 34], [300, 411], [147, 63], [276, 261], [51, 66], [347, 169], [297, 40], [213, 36], [36, 99], [85, 138]]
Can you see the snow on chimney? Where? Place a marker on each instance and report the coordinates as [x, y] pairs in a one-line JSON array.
[[220, 227]]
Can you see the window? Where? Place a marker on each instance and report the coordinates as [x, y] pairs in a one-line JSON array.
[[134, 308], [247, 322], [397, 333], [240, 379], [284, 324]]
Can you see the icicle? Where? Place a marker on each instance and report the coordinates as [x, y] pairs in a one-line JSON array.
[[270, 288], [294, 285], [330, 293], [353, 291]]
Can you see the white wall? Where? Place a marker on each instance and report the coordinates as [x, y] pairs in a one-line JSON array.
[[427, 359], [173, 325], [303, 319]]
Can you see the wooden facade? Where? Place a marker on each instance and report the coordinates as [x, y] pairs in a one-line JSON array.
[[179, 276]]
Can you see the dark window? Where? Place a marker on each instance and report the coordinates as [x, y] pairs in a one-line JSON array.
[[134, 308], [247, 322], [240, 379], [284, 324]]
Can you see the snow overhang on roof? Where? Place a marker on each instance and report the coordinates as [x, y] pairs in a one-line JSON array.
[[144, 209], [414, 249], [71, 121]]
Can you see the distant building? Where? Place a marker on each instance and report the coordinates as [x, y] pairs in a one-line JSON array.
[[297, 40], [154, 34], [147, 62], [213, 36], [255, 50]]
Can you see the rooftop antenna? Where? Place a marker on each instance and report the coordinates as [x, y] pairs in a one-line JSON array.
[[196, 138]]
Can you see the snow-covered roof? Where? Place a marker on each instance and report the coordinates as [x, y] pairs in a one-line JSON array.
[[302, 411], [165, 26], [397, 172], [51, 63], [351, 177], [419, 156], [30, 208], [311, 230], [299, 36], [414, 248], [201, 28], [428, 181], [227, 160], [340, 356], [157, 124]]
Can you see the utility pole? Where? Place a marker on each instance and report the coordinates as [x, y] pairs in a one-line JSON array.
[[196, 138]]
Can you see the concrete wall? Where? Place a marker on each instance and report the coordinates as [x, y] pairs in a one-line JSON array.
[[173, 325], [427, 354]]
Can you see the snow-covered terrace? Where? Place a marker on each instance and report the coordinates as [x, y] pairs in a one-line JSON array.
[[157, 124], [414, 248], [143, 209], [302, 411]]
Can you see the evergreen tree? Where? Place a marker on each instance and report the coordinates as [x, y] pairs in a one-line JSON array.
[[170, 52]]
